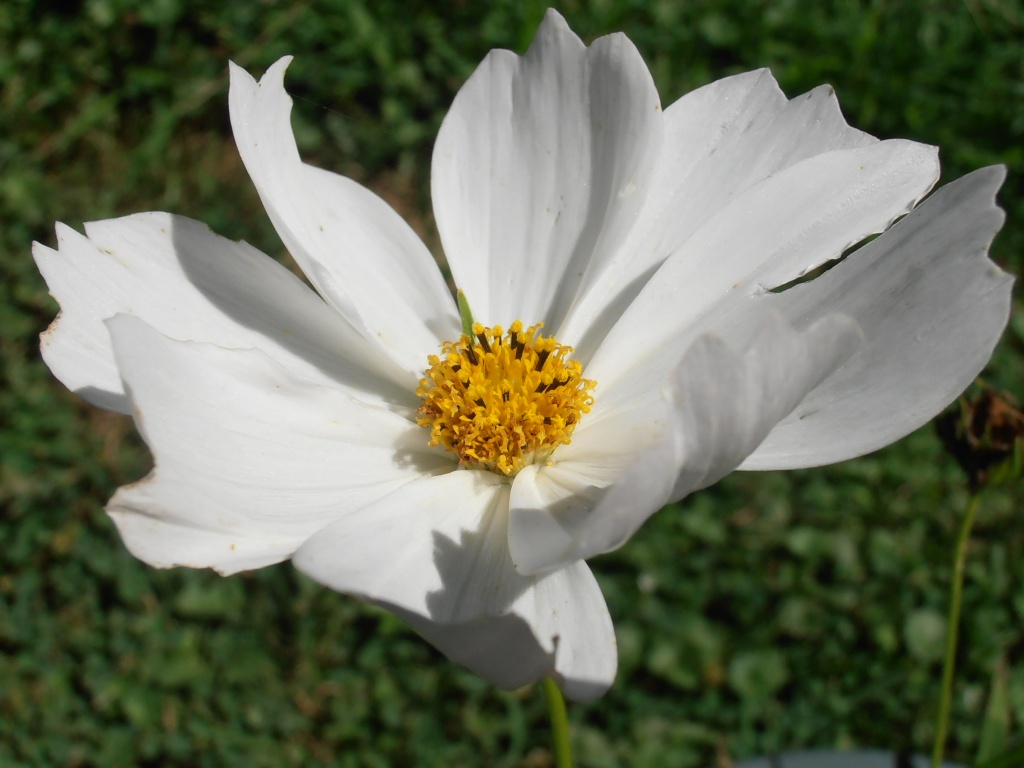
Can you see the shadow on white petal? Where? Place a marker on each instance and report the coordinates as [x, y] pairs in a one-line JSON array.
[[249, 458], [549, 506], [307, 328], [719, 140], [193, 285], [724, 403], [435, 551], [557, 623], [501, 649], [932, 306], [362, 257]]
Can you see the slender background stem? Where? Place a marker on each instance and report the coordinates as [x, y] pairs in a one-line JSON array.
[[952, 630], [559, 724]]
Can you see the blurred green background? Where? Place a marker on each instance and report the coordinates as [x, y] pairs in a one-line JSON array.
[[773, 611]]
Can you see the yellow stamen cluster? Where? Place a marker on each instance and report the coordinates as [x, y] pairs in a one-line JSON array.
[[503, 401]]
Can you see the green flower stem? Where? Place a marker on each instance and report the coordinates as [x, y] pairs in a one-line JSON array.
[[559, 724], [952, 630]]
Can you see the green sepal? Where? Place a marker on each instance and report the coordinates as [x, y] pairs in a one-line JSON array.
[[465, 313]]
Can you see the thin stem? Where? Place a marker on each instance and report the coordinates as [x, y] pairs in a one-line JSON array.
[[953, 630], [559, 724]]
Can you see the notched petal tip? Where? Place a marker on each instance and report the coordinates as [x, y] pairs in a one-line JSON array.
[[274, 76], [274, 73], [76, 354], [992, 177]]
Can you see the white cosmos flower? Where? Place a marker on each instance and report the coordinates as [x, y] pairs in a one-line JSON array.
[[284, 423]]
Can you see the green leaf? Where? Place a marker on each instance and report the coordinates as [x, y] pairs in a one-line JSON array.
[[1011, 758], [996, 726]]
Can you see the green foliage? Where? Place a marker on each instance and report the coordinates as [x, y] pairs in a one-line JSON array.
[[996, 727], [1011, 758], [773, 611]]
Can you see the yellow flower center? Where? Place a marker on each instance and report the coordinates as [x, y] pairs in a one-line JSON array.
[[503, 401]]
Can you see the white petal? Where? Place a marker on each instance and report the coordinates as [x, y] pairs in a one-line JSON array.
[[719, 140], [358, 253], [540, 169], [795, 220], [250, 460], [436, 553], [549, 511], [550, 501], [724, 406], [932, 306], [191, 284]]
